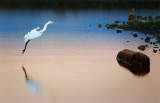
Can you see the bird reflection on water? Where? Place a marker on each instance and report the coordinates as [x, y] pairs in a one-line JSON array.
[[32, 85], [35, 87]]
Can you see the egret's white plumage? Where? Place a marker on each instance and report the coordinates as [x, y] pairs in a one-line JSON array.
[[31, 35], [34, 34]]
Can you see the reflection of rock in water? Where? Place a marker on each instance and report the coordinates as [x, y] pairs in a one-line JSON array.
[[138, 63]]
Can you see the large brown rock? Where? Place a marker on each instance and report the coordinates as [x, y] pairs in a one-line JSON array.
[[138, 63]]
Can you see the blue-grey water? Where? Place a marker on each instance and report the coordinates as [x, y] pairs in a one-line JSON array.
[[74, 61]]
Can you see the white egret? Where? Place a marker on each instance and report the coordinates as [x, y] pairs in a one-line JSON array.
[[34, 34]]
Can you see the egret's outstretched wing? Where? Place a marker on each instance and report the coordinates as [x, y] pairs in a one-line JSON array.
[[32, 34]]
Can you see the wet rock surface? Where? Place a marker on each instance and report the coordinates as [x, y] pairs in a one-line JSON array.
[[136, 62]]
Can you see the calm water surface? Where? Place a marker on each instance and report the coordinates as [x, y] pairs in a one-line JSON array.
[[72, 62]]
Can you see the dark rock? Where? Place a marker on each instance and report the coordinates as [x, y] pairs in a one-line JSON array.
[[127, 41], [135, 35], [131, 33], [141, 38], [99, 25], [90, 25], [123, 22], [147, 46], [154, 43], [142, 47], [117, 21], [138, 63], [154, 51], [147, 40], [107, 27], [119, 31], [156, 47], [112, 26]]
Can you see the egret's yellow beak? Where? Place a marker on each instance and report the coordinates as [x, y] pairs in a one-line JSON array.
[[53, 22]]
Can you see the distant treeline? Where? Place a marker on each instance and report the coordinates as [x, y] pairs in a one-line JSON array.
[[83, 4]]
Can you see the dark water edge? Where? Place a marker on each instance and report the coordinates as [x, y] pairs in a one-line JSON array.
[[10, 4]]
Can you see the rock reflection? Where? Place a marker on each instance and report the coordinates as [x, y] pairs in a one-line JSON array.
[[35, 87]]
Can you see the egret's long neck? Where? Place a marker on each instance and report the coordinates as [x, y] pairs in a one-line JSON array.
[[44, 28]]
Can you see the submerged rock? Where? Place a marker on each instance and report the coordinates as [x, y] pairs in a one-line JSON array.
[[119, 31], [99, 25], [154, 51], [138, 63], [147, 40], [117, 21], [142, 47], [112, 26], [156, 47], [135, 35]]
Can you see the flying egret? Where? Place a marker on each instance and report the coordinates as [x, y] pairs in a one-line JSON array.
[[34, 34]]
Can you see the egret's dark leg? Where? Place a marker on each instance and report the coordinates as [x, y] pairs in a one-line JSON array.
[[25, 47], [26, 76]]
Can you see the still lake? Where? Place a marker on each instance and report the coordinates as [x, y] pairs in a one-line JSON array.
[[74, 61]]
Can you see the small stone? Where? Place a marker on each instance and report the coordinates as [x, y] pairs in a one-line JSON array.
[[142, 47], [141, 38], [154, 51], [135, 35], [147, 40], [147, 46], [117, 21], [154, 43], [99, 25], [112, 26], [119, 31]]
